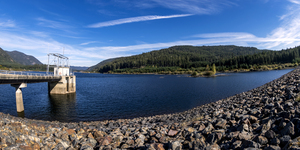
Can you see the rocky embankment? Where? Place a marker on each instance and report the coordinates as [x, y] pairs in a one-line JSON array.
[[267, 117]]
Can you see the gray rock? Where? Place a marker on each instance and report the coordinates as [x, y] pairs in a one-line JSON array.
[[270, 134], [199, 143], [250, 144], [11, 147], [211, 138], [86, 147], [59, 146], [155, 146], [284, 140], [244, 128], [175, 145], [266, 126], [294, 144], [221, 124], [288, 129], [275, 141], [208, 129], [261, 140], [245, 136], [213, 147], [92, 141], [237, 144], [272, 147]]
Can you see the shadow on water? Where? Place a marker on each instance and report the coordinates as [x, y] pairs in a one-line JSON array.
[[63, 107], [21, 114]]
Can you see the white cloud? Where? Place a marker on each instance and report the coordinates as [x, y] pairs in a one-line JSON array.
[[39, 47], [87, 43], [39, 34], [228, 38], [295, 1], [132, 49], [187, 6], [8, 23], [234, 35], [288, 33], [195, 6], [52, 24], [134, 19]]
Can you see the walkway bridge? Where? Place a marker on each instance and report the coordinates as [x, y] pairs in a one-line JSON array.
[[57, 84], [18, 77], [62, 81]]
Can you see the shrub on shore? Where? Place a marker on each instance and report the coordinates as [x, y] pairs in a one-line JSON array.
[[208, 73]]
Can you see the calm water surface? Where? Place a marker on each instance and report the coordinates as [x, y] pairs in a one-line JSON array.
[[105, 96]]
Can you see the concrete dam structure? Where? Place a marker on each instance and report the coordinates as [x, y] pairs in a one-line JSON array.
[[62, 81], [67, 83]]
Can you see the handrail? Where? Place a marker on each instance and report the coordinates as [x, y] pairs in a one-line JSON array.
[[24, 73]]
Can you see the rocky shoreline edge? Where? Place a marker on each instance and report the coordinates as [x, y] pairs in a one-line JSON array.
[[267, 117]]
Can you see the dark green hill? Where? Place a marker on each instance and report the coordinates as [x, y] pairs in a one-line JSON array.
[[5, 59], [7, 62], [255, 61], [101, 64], [23, 58], [177, 56]]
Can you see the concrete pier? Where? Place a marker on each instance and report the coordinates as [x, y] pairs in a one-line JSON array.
[[66, 85], [61, 82], [19, 96]]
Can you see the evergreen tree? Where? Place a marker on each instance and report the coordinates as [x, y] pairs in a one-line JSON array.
[[214, 69]]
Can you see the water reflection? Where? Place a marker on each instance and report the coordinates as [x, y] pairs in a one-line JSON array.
[[63, 107], [21, 114], [106, 96]]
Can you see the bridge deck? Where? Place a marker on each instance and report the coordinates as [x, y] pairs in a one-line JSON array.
[[18, 79]]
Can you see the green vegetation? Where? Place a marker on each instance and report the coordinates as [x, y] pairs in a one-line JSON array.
[[19, 67], [208, 73], [22, 58], [101, 64], [184, 57], [214, 69], [202, 60], [262, 61], [5, 59], [8, 63], [297, 97]]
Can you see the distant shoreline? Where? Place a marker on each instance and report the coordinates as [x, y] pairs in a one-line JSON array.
[[239, 71]]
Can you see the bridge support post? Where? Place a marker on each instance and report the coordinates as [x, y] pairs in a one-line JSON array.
[[66, 85], [19, 96]]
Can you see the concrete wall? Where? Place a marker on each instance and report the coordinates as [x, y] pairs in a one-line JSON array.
[[62, 71], [66, 85]]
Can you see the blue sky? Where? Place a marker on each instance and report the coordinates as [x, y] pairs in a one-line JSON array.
[[90, 31]]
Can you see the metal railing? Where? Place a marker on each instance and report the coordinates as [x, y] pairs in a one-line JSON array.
[[24, 73]]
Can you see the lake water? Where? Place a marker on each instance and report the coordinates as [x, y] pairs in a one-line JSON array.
[[106, 96]]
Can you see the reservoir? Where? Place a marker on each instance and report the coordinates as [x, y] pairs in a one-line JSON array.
[[114, 96]]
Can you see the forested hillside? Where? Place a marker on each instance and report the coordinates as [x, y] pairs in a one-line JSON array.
[[264, 58], [7, 62], [23, 58], [5, 58], [101, 64], [177, 56]]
